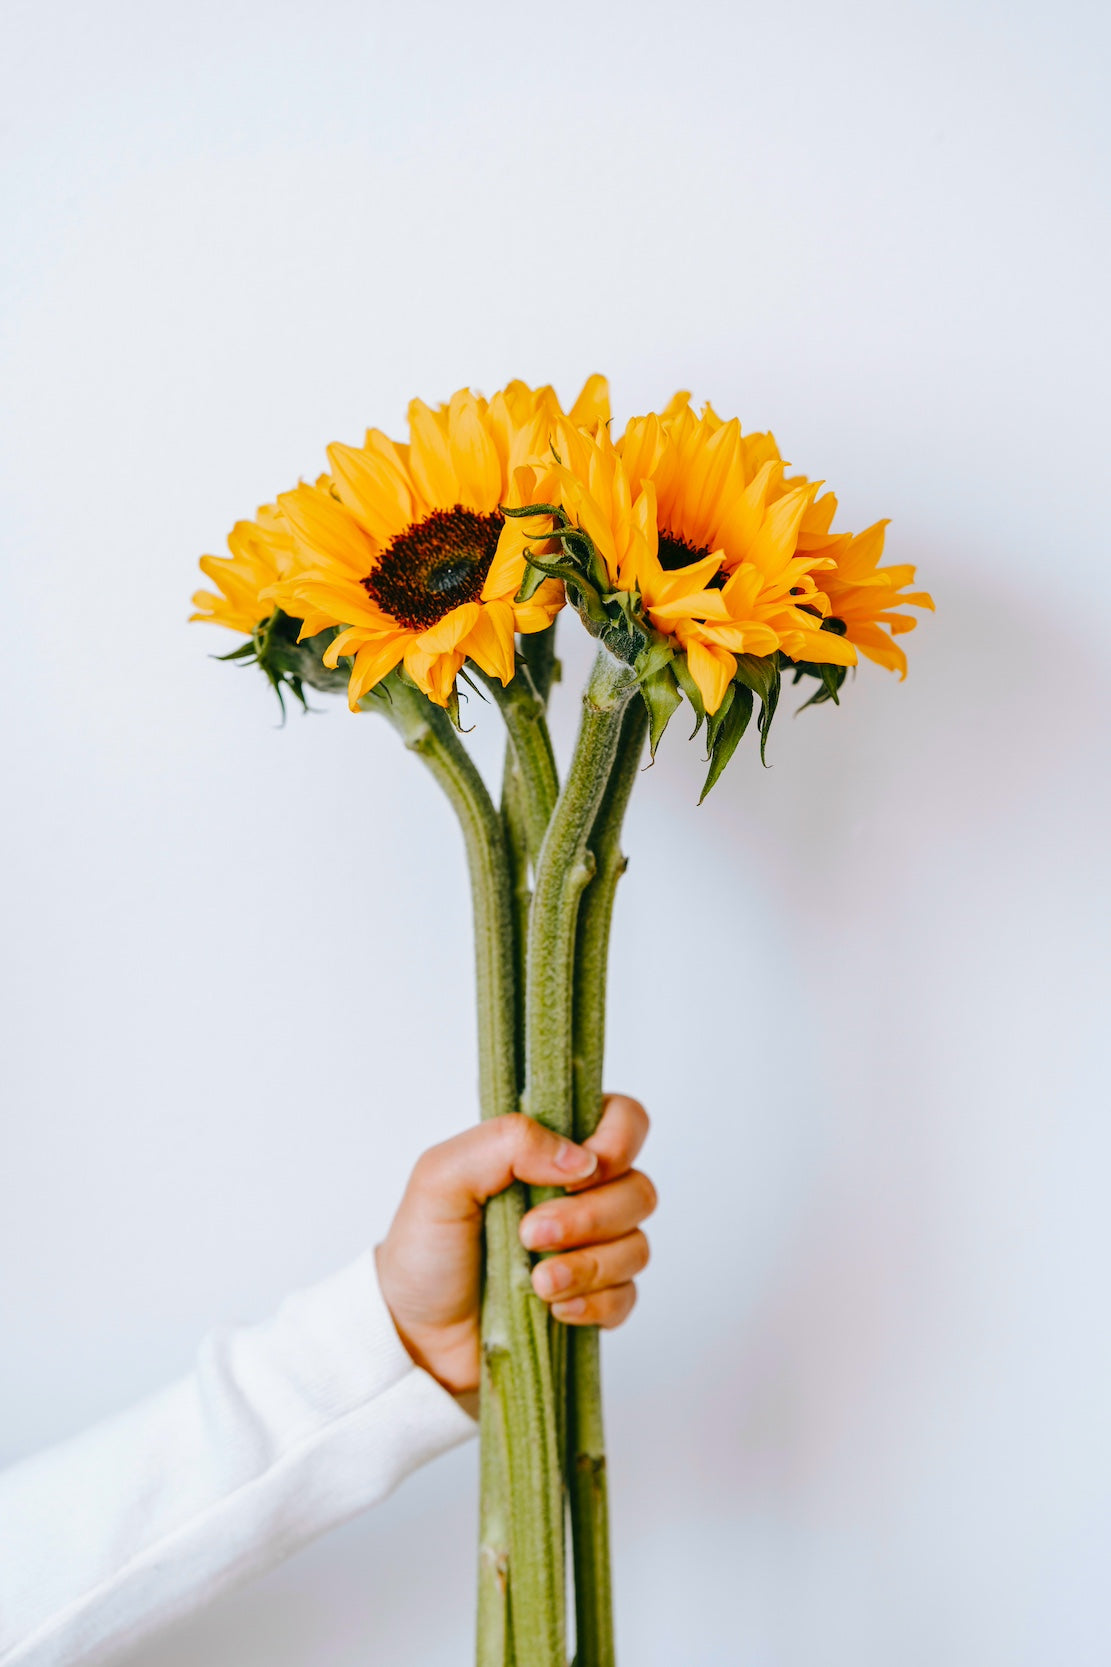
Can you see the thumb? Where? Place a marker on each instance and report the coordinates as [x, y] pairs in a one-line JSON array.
[[462, 1173]]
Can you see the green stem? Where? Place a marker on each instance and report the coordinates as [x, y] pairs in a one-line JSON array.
[[538, 649], [427, 731], [520, 1569], [565, 867], [516, 844], [529, 788], [586, 1468], [524, 711]]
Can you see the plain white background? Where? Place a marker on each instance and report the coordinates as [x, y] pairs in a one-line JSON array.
[[861, 1416]]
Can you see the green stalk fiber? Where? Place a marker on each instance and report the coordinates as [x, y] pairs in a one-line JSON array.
[[521, 1598], [586, 1451]]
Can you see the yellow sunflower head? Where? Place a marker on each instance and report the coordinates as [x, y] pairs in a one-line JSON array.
[[689, 550], [406, 550], [858, 598], [684, 524]]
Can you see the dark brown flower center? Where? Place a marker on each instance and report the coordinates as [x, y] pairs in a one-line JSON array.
[[434, 565], [676, 553]]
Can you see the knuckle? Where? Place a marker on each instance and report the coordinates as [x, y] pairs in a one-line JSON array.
[[517, 1131], [640, 1116], [642, 1252], [428, 1165], [618, 1306], [582, 1221], [648, 1196]]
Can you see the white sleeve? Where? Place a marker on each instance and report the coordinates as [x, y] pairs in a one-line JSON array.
[[282, 1430]]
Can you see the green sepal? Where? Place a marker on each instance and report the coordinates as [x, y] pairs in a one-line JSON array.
[[580, 550], [691, 690], [659, 653], [518, 514], [287, 663], [452, 709], [761, 674], [727, 726], [714, 720], [662, 698], [830, 678], [530, 584]]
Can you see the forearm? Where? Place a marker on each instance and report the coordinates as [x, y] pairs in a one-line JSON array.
[[283, 1430]]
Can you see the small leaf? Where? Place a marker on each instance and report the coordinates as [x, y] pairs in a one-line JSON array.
[[760, 673], [728, 734], [716, 719], [662, 698], [245, 651], [553, 510], [691, 690]]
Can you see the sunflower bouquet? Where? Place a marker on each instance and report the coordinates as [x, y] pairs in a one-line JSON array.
[[707, 572]]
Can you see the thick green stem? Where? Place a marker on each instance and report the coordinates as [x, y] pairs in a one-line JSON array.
[[533, 761], [565, 867], [586, 1466], [520, 1564], [538, 649], [427, 731], [529, 787], [516, 844]]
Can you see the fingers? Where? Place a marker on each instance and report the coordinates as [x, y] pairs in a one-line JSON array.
[[591, 1217], [584, 1272], [458, 1176], [606, 1308], [620, 1134]]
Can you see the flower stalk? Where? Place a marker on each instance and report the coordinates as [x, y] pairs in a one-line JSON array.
[[564, 869], [586, 1452], [521, 1517]]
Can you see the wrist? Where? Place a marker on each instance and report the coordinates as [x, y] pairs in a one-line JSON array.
[[448, 1353]]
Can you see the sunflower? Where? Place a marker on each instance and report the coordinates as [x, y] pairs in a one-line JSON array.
[[686, 521], [262, 553], [406, 549], [862, 595], [859, 598]]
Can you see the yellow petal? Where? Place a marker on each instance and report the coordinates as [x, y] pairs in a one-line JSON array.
[[323, 527], [538, 613], [377, 494], [449, 632], [474, 457], [712, 669], [490, 641], [372, 664], [593, 404], [430, 457], [507, 570], [348, 642], [434, 673]]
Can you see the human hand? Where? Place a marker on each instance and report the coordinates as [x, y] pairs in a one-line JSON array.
[[429, 1263]]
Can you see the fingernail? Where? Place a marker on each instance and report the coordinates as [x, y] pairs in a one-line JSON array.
[[569, 1310], [575, 1160], [540, 1232], [550, 1277]]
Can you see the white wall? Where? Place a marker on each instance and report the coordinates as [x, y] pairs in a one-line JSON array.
[[861, 1416]]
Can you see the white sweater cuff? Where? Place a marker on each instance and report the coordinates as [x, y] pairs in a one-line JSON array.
[[284, 1430]]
